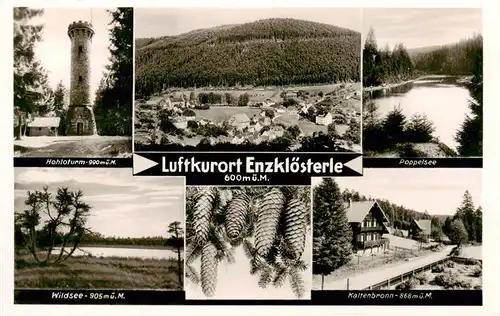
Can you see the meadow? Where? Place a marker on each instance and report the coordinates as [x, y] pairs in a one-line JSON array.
[[87, 272]]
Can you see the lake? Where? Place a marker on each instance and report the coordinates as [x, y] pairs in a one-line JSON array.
[[146, 253], [444, 101]]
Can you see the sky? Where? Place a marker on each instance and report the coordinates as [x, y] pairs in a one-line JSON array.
[[439, 191], [421, 27], [155, 22], [54, 50], [122, 205]]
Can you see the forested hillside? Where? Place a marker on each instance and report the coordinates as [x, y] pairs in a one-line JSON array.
[[399, 215], [454, 59], [400, 64], [265, 52]]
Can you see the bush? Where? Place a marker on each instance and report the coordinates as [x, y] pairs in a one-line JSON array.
[[374, 137], [437, 269], [422, 278], [451, 280], [477, 273], [394, 125], [419, 129], [478, 287], [407, 285], [408, 150], [450, 264], [471, 262]]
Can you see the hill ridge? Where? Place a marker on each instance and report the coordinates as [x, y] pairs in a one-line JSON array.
[[273, 51]]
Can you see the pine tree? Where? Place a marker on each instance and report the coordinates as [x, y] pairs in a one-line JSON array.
[[458, 234], [30, 79], [59, 102], [466, 213], [479, 224], [470, 134], [332, 234], [176, 242], [113, 103]]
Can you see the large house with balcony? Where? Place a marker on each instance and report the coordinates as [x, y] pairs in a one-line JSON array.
[[368, 223]]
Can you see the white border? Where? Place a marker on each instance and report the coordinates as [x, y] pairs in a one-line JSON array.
[[491, 13]]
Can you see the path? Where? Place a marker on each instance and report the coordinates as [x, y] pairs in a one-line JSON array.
[[73, 146], [377, 275]]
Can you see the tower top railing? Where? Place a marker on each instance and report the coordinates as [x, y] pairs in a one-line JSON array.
[[87, 27]]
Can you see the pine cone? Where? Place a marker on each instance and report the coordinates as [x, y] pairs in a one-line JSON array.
[[295, 227], [268, 216], [236, 215], [208, 271], [202, 214]]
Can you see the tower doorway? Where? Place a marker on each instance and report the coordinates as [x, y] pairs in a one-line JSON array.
[[79, 128]]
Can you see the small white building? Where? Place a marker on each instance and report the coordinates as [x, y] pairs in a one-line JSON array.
[[325, 119], [44, 126]]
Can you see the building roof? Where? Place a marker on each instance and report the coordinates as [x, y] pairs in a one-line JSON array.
[[324, 115], [424, 225], [240, 118], [358, 211], [45, 122]]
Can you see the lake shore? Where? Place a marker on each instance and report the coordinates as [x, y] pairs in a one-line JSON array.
[[83, 245], [83, 272], [398, 84]]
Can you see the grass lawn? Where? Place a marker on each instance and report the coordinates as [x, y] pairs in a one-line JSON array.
[[74, 146], [97, 273]]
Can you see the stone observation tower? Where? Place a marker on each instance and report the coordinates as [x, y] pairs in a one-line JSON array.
[[80, 119]]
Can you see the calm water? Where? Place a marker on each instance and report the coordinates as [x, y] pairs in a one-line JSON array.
[[443, 101], [126, 252]]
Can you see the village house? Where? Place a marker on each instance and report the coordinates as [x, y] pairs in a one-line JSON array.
[[280, 108], [305, 108], [268, 103], [44, 126], [239, 121], [290, 94], [180, 122], [325, 119], [419, 228], [265, 121], [368, 223]]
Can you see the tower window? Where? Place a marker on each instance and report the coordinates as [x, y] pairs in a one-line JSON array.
[[80, 50], [80, 78]]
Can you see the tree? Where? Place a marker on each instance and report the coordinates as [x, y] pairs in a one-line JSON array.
[[59, 101], [243, 99], [63, 218], [332, 234], [394, 124], [270, 223], [353, 133], [176, 242], [30, 78], [470, 134], [294, 131], [113, 103], [59, 105], [419, 129], [479, 224], [458, 234], [466, 213]]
